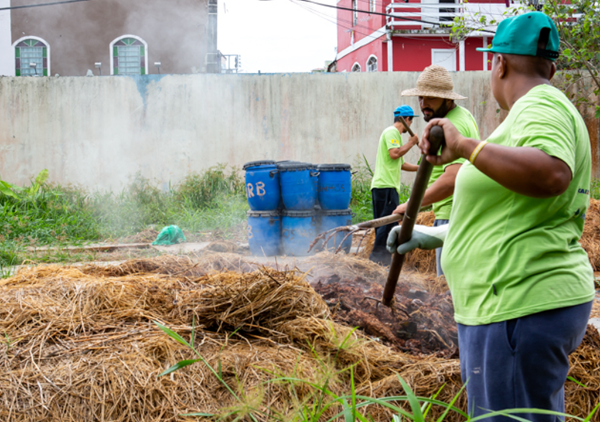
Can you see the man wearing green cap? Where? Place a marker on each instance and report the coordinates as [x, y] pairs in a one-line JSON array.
[[385, 185], [521, 283]]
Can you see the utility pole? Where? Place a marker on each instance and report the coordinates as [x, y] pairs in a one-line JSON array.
[[213, 58]]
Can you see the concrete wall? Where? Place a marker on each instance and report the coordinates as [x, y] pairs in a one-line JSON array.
[[7, 55], [100, 131]]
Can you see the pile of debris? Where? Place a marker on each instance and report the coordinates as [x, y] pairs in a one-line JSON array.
[[81, 344]]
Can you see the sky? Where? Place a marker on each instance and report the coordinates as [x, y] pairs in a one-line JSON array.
[[277, 36]]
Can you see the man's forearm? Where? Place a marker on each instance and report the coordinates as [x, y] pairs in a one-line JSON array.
[[441, 189], [400, 152], [409, 167]]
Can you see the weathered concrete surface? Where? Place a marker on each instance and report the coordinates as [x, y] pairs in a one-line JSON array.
[[99, 132]]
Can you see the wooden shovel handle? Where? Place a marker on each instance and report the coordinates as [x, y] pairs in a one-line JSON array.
[[436, 138]]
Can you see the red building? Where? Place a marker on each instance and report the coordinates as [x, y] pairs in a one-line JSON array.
[[414, 35]]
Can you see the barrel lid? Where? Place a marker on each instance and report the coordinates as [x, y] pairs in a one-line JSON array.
[[334, 167], [259, 163], [302, 213], [273, 213], [332, 213], [295, 166]]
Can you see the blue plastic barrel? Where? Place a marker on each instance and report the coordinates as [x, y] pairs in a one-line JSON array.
[[335, 186], [298, 230], [264, 232], [330, 219], [262, 185], [298, 185]]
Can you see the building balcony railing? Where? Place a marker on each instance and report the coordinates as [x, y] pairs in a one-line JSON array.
[[429, 16]]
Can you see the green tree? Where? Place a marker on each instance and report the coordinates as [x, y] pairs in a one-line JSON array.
[[578, 23]]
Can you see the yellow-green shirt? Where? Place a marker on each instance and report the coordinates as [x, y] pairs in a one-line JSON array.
[[387, 170], [465, 123], [509, 255]]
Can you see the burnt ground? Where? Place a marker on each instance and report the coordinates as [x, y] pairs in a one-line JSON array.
[[419, 323]]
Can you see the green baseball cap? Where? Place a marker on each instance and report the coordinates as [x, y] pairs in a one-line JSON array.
[[523, 35]]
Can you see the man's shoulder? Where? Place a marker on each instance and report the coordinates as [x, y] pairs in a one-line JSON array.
[[464, 121], [391, 130]]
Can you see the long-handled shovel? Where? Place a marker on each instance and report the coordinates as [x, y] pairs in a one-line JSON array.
[[436, 139]]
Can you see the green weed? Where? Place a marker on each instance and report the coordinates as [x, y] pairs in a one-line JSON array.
[[361, 203], [47, 214], [321, 400]]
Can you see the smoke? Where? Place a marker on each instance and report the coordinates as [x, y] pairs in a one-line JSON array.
[[80, 34]]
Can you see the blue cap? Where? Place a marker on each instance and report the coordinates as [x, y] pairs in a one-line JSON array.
[[404, 111]]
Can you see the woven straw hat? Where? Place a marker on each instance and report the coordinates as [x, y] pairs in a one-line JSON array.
[[434, 81]]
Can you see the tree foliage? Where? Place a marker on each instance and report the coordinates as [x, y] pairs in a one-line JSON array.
[[578, 23]]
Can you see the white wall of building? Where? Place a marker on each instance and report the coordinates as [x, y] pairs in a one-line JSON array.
[[7, 55]]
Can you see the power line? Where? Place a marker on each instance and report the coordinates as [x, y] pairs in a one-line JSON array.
[[382, 14], [41, 4], [334, 22], [353, 28]]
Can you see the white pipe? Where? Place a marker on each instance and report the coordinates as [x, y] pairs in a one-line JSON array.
[[461, 56], [390, 52], [485, 56]]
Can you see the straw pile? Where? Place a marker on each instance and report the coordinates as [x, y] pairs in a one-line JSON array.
[[80, 345], [591, 234], [419, 259], [367, 242]]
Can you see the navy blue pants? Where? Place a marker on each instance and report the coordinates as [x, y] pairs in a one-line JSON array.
[[385, 201], [521, 363]]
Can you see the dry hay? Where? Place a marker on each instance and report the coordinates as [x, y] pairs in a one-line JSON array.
[[419, 259], [590, 240], [367, 242], [343, 265], [82, 345], [224, 246], [145, 236], [174, 266], [595, 309]]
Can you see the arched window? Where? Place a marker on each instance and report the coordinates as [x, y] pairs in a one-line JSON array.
[[355, 67], [129, 56], [372, 64], [32, 57]]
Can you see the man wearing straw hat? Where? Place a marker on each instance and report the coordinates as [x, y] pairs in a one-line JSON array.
[[436, 99], [385, 185], [521, 283]]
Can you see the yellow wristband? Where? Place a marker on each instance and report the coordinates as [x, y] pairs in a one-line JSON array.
[[476, 151]]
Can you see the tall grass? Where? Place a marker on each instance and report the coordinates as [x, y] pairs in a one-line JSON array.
[[44, 214], [202, 201], [595, 189]]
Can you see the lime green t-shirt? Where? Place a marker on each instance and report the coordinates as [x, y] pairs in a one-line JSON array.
[[387, 170], [465, 123], [508, 255]]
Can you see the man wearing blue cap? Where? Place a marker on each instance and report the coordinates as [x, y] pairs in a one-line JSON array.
[[386, 179], [521, 284]]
